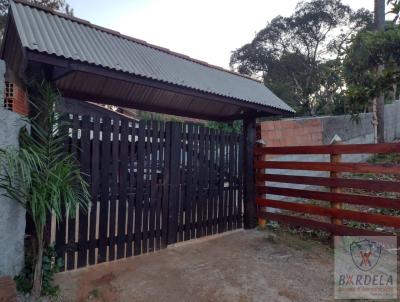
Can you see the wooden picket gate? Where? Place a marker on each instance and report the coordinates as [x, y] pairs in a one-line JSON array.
[[331, 213], [158, 183]]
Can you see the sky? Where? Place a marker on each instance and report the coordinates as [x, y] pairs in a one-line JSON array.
[[208, 30]]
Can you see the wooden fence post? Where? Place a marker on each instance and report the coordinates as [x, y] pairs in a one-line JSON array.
[[336, 158], [249, 131]]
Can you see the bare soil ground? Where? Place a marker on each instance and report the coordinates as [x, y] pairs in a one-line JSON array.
[[239, 266]]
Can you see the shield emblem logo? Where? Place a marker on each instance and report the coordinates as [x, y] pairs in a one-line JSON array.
[[365, 254]]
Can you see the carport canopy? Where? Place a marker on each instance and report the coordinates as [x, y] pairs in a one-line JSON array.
[[90, 63]]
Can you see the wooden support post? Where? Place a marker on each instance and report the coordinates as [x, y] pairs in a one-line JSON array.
[[249, 131], [336, 158], [260, 143]]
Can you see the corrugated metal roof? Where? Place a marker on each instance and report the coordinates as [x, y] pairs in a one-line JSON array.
[[57, 34]]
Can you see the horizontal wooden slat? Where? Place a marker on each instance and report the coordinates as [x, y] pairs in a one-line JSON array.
[[371, 185], [371, 201], [331, 149], [328, 166], [386, 220], [312, 224]]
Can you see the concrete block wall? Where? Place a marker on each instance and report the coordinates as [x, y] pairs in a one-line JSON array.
[[12, 214], [392, 120], [292, 132], [320, 131]]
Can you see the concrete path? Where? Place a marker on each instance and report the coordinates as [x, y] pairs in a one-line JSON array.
[[239, 266]]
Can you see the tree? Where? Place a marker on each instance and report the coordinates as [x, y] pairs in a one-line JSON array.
[[297, 55], [57, 5], [41, 175], [379, 100], [372, 68], [394, 10], [368, 51]]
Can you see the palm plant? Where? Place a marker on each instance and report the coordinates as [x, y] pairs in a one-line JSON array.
[[42, 175]]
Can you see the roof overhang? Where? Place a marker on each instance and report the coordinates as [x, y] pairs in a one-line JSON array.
[[155, 89], [86, 82]]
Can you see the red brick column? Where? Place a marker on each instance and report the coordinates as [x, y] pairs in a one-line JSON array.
[[16, 99]]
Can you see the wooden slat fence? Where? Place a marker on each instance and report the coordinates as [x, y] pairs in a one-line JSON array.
[[152, 183], [336, 209]]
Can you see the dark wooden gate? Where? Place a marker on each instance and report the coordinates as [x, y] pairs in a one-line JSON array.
[[152, 183]]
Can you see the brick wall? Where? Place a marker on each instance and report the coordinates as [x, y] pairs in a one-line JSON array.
[[8, 291], [321, 130], [15, 99], [292, 132]]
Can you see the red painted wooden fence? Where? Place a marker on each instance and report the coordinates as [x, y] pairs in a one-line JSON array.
[[331, 203]]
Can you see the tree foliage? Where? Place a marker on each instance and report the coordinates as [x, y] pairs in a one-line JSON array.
[[394, 9], [57, 5], [368, 51], [299, 56], [42, 176], [234, 127]]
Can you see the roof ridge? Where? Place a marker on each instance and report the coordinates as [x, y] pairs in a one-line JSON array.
[[139, 41]]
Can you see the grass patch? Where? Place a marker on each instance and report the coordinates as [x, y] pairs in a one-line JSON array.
[[382, 159], [300, 239], [307, 234], [95, 293], [391, 158], [272, 238]]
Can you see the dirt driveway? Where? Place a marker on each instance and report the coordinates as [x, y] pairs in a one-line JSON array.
[[240, 266]]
